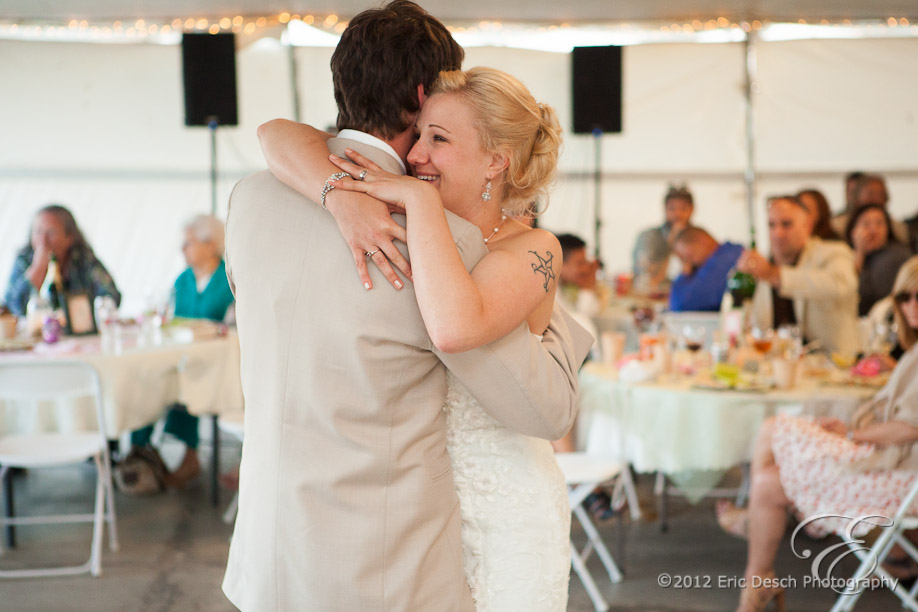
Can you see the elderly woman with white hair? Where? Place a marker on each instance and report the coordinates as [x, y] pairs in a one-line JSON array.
[[201, 292]]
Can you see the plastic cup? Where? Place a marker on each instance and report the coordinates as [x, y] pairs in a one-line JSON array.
[[785, 371], [7, 326], [612, 345]]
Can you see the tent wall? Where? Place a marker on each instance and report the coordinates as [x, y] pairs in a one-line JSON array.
[[100, 129]]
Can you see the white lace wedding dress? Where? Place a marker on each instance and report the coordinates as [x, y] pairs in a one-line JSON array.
[[515, 513]]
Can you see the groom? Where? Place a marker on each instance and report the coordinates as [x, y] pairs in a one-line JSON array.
[[346, 497]]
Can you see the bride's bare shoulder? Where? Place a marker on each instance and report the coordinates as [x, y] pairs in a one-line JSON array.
[[530, 239]]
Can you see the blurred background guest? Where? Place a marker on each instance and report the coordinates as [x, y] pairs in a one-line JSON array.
[[877, 253], [201, 292], [851, 182], [869, 189], [706, 264], [809, 282], [654, 246], [912, 225], [578, 277], [820, 213], [578, 296], [55, 232]]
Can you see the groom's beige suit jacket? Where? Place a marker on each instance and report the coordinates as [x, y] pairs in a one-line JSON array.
[[346, 498]]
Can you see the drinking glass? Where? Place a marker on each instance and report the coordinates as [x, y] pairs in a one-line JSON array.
[[883, 338], [762, 339], [789, 341], [693, 337]]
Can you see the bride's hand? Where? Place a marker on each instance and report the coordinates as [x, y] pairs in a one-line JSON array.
[[393, 189], [367, 226]]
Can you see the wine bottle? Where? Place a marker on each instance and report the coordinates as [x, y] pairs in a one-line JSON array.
[[51, 289], [52, 294], [741, 285]]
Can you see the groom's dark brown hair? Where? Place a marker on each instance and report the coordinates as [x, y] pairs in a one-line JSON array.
[[382, 57]]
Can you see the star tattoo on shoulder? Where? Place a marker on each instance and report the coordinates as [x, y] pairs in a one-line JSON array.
[[544, 268]]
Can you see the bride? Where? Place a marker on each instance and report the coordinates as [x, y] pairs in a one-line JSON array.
[[486, 151]]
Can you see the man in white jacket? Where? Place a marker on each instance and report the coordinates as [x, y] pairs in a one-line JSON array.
[[808, 282]]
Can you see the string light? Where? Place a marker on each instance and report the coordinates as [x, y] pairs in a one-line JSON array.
[[168, 29]]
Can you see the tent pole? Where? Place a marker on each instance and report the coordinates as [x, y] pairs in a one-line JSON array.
[[294, 82], [750, 173], [597, 191], [212, 125]]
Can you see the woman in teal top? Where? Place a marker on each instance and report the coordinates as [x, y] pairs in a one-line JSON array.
[[211, 303], [201, 292]]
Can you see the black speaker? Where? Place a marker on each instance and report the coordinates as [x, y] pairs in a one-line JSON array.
[[597, 80], [209, 75]]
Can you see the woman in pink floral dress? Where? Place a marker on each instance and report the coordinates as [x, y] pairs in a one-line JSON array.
[[826, 467]]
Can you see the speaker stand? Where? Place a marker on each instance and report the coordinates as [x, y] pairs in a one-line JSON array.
[[212, 126], [597, 191]]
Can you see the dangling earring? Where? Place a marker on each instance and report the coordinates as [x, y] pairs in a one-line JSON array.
[[487, 192]]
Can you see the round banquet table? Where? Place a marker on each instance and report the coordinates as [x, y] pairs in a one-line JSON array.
[[138, 380], [670, 427]]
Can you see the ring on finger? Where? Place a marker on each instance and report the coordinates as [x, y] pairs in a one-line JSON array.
[[372, 253], [362, 175]]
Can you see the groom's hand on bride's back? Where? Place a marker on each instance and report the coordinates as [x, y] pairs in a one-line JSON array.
[[367, 226]]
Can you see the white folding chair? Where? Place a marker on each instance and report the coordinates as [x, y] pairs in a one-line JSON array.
[[583, 473], [233, 425], [872, 558], [24, 384]]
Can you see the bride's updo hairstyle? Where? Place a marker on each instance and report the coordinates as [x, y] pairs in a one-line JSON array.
[[510, 121]]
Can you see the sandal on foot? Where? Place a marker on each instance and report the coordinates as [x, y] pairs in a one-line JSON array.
[[902, 568], [599, 505], [731, 519]]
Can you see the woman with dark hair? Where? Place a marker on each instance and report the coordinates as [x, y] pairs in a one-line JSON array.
[[55, 232], [877, 253], [818, 207]]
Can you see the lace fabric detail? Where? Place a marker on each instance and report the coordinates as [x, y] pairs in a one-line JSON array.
[[514, 508]]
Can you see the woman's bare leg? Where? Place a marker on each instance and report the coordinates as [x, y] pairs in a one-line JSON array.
[[767, 507]]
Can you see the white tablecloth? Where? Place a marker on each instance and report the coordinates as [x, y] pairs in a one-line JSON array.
[[137, 383], [670, 427]]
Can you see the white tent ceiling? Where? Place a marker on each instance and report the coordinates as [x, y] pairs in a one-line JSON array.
[[474, 10]]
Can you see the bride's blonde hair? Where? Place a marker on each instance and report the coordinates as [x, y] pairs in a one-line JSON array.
[[511, 122]]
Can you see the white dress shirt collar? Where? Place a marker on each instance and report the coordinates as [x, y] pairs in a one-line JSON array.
[[373, 141]]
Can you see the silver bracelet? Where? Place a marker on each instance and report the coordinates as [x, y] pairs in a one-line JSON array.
[[337, 176]]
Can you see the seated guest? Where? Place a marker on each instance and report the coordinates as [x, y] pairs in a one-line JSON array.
[[577, 294], [851, 183], [869, 189], [578, 277], [706, 264], [912, 225], [809, 283], [825, 467], [653, 246], [201, 292], [877, 254], [820, 214], [55, 232]]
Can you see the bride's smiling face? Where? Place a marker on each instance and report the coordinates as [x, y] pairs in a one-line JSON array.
[[448, 153]]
